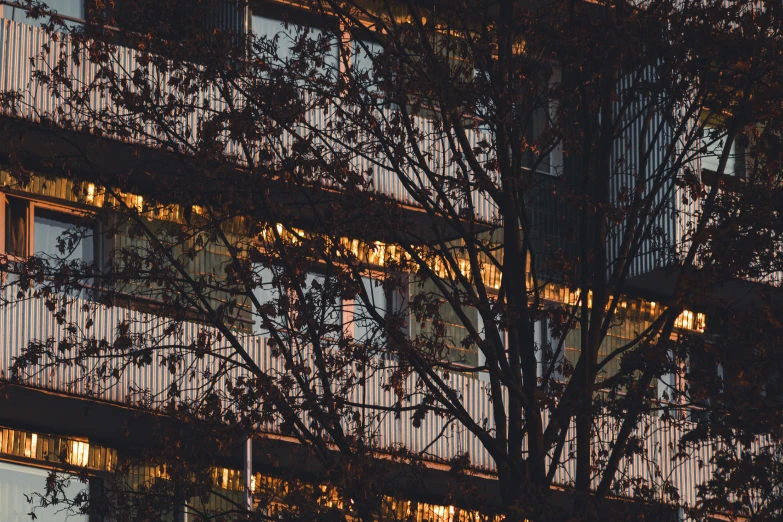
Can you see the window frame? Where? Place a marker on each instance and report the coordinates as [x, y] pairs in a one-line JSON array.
[[18, 14], [4, 204], [351, 307], [31, 205], [343, 310], [738, 155], [293, 17]]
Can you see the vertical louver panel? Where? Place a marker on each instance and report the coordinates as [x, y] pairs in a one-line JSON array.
[[28, 320], [230, 16], [639, 153], [20, 51]]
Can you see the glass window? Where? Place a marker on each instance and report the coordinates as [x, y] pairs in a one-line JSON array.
[[52, 230], [269, 29], [16, 227], [17, 481], [363, 322], [456, 333], [287, 35], [364, 53], [267, 295], [72, 8], [667, 387], [714, 143], [319, 290], [538, 122], [69, 8]]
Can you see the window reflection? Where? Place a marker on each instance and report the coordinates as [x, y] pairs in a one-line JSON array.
[[54, 230], [17, 481]]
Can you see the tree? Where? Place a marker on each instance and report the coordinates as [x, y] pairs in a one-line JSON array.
[[553, 156]]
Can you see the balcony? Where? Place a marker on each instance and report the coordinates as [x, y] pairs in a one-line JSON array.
[[29, 319], [21, 55], [436, 440]]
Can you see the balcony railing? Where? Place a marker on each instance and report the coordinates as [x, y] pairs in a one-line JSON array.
[[21, 54], [21, 46], [29, 320]]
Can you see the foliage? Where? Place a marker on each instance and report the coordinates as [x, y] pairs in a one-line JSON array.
[[462, 176]]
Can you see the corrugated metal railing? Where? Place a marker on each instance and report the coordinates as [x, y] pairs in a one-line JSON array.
[[688, 212], [21, 54], [29, 319], [630, 155]]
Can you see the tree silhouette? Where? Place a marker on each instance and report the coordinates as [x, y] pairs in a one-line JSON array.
[[359, 211]]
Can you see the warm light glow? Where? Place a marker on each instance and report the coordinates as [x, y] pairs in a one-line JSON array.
[[90, 192], [30, 452], [79, 454]]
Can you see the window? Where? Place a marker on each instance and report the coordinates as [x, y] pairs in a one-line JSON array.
[[267, 294], [165, 19], [319, 291], [286, 35], [538, 123], [67, 8], [72, 8], [32, 228], [169, 21], [321, 296], [714, 143], [53, 230], [364, 325], [667, 387], [536, 109], [16, 481], [702, 380], [363, 55], [460, 348]]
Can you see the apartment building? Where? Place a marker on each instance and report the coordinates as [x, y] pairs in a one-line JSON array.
[[65, 416]]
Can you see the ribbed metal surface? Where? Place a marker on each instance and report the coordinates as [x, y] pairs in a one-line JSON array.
[[230, 15], [629, 165], [688, 213], [22, 43], [29, 319]]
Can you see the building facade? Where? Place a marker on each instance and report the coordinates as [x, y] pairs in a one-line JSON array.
[[68, 418]]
